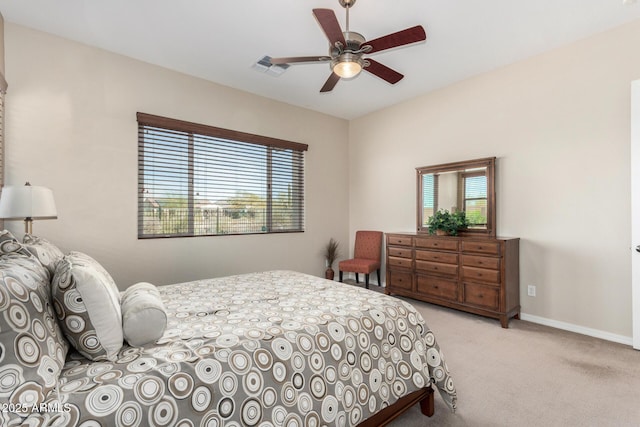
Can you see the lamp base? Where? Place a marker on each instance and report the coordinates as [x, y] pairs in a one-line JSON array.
[[28, 226]]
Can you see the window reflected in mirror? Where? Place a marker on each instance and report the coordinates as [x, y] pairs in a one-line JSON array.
[[461, 186]]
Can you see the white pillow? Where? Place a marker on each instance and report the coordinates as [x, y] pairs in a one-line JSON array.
[[87, 303], [144, 317]]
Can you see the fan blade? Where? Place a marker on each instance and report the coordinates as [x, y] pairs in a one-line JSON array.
[[330, 83], [292, 60], [382, 71], [329, 23], [401, 38]]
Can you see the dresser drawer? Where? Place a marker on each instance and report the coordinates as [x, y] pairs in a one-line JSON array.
[[400, 280], [481, 295], [400, 240], [490, 248], [400, 262], [481, 274], [399, 252], [481, 262], [437, 268], [445, 257], [442, 244], [439, 288]]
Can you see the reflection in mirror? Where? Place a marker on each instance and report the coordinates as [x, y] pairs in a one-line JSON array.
[[461, 186], [457, 191]]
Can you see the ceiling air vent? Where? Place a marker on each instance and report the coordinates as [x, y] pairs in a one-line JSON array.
[[264, 65]]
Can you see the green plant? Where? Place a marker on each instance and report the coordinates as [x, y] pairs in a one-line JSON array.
[[331, 252], [449, 222]]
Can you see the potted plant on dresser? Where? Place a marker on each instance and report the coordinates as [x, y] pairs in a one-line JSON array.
[[331, 253], [445, 223]]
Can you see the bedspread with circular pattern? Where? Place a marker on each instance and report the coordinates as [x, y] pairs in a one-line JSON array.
[[277, 348]]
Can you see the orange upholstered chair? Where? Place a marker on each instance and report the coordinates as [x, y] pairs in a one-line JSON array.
[[366, 256]]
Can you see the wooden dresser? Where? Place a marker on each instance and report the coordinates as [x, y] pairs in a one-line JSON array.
[[475, 274]]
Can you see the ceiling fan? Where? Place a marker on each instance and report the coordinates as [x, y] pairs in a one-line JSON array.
[[346, 49]]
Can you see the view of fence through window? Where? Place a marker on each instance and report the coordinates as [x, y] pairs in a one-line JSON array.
[[192, 184]]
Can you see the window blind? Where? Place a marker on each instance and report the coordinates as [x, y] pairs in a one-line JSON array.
[[198, 180], [429, 196]]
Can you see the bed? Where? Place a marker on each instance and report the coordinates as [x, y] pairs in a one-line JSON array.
[[276, 348]]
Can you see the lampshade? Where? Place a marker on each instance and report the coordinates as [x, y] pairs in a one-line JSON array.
[[27, 202], [347, 65]]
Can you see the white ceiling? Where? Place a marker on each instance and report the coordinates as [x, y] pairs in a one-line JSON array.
[[221, 40]]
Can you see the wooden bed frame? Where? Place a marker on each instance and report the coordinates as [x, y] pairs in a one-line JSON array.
[[390, 413]]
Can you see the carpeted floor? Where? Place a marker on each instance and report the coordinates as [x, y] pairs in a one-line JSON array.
[[529, 375]]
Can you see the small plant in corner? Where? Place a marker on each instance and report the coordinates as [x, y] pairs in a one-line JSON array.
[[447, 222], [331, 253]]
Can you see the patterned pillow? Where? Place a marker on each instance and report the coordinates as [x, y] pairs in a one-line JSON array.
[[44, 250], [87, 303], [11, 245], [32, 347], [144, 317]]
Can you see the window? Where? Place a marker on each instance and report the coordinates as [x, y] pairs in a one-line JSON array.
[[475, 197], [197, 180], [429, 196]]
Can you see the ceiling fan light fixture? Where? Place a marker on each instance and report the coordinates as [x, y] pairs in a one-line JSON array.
[[347, 65]]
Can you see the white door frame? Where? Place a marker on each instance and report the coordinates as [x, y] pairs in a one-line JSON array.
[[635, 211]]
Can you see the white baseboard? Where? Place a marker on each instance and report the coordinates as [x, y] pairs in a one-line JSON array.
[[620, 339]]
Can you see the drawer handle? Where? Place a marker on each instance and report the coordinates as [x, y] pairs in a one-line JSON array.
[[480, 296], [435, 286]]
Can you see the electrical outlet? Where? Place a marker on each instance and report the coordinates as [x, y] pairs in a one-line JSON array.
[[531, 290]]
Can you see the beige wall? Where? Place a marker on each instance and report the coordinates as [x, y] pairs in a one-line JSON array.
[[71, 126], [559, 125], [1, 44]]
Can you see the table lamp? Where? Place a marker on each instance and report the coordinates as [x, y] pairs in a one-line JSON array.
[[27, 202]]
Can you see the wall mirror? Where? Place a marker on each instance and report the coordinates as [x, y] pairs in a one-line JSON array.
[[461, 186]]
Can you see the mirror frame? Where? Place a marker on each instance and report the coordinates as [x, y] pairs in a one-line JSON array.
[[490, 164]]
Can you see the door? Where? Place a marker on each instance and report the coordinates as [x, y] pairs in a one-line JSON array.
[[635, 210]]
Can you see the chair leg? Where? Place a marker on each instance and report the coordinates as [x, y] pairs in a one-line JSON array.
[[379, 283], [340, 275], [357, 278], [366, 280]]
